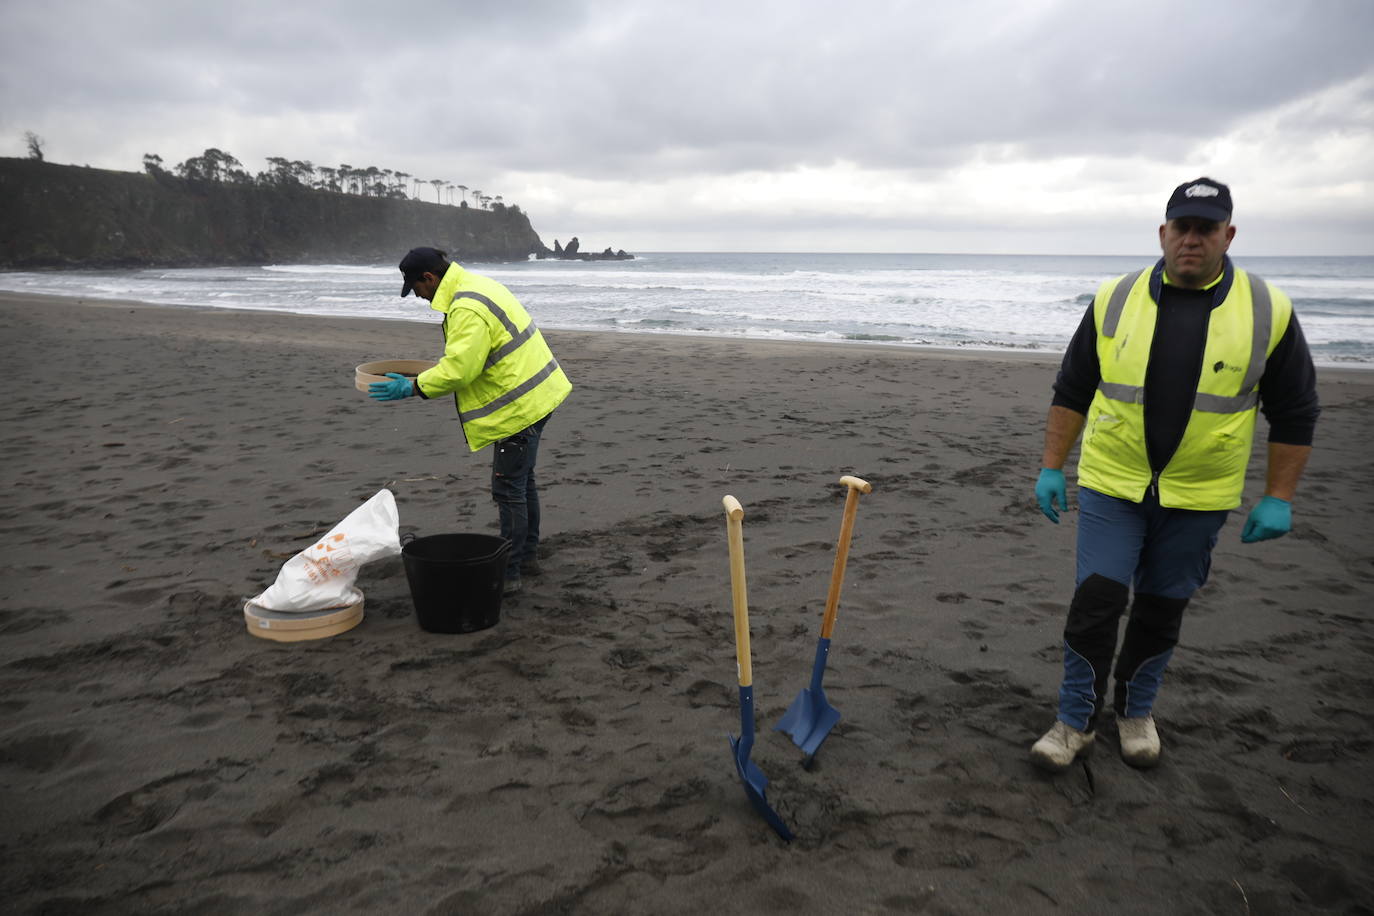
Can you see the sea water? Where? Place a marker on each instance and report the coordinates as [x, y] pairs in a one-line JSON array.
[[980, 302]]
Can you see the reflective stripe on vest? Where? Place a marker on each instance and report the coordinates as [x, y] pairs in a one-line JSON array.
[[1117, 303], [517, 337], [1261, 312], [510, 397]]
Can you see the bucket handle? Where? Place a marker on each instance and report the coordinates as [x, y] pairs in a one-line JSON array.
[[407, 538]]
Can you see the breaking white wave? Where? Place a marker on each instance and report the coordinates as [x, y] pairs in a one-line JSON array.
[[972, 301]]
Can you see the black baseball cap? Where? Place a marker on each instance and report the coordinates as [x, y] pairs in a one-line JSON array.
[[1201, 198], [417, 263]]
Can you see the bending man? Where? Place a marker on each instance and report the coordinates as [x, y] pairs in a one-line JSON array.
[[505, 383]]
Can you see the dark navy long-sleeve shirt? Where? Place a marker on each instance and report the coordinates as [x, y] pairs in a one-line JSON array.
[[1287, 389]]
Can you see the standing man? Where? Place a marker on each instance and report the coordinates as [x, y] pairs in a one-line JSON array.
[[505, 383], [1163, 379]]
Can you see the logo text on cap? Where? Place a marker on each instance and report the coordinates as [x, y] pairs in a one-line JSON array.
[[1201, 190]]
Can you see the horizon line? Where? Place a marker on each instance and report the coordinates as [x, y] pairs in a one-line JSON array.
[[978, 254]]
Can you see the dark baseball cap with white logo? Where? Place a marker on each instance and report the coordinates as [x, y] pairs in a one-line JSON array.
[[1201, 198], [418, 262]]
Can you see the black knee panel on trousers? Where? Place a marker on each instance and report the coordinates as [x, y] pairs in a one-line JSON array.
[[1152, 631], [1090, 633], [1097, 606], [1159, 617]]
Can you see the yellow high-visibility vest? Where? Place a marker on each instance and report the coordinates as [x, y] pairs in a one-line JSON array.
[[518, 384], [1208, 469]]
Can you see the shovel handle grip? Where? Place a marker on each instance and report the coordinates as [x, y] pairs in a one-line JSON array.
[[739, 593], [857, 483], [855, 486]]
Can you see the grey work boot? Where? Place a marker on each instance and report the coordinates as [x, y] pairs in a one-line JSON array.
[[513, 586], [1060, 746], [1139, 740]]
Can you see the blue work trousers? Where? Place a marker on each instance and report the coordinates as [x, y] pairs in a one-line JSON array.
[[1163, 554]]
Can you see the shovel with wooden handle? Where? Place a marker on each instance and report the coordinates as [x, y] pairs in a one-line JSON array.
[[811, 717], [749, 773]]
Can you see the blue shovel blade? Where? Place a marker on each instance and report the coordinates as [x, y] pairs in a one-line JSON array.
[[811, 717], [809, 720], [754, 785]]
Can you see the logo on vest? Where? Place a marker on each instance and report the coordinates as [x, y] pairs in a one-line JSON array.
[[1222, 364], [1201, 190]]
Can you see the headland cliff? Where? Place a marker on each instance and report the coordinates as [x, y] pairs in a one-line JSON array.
[[76, 216]]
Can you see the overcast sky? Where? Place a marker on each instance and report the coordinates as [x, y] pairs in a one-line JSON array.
[[1014, 126]]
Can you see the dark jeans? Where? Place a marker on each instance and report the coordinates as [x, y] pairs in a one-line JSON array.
[[1164, 555], [517, 498]]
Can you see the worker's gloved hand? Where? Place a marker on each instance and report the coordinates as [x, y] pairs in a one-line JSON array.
[[1272, 518], [396, 388], [1048, 488]]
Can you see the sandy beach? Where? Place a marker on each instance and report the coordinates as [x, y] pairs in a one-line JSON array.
[[161, 464]]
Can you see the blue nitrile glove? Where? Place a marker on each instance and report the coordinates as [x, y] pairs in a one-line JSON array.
[[1048, 488], [399, 387], [1272, 518]]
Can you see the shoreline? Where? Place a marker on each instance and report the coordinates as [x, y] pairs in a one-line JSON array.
[[156, 757], [1011, 355]]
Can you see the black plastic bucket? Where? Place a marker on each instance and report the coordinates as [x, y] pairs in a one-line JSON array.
[[456, 580]]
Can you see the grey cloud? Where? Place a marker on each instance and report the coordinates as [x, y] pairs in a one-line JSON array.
[[700, 93], [655, 90]]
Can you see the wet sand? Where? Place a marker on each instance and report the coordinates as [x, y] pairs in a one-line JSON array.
[[162, 463]]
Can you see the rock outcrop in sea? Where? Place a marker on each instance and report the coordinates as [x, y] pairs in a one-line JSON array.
[[571, 252]]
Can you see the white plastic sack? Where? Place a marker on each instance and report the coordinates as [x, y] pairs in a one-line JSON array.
[[321, 576]]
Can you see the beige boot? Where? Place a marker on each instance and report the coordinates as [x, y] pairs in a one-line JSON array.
[[1059, 746], [1139, 740]]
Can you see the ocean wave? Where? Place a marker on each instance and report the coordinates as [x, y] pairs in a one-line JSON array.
[[1340, 308], [324, 270], [973, 302], [874, 337]]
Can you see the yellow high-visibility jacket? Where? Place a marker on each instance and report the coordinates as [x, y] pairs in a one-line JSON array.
[[501, 372]]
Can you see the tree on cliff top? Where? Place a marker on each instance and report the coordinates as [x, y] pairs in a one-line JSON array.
[[35, 145], [213, 165], [288, 172]]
